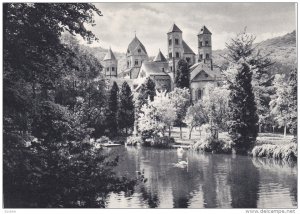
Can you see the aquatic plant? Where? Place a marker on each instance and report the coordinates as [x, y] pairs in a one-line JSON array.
[[287, 152]]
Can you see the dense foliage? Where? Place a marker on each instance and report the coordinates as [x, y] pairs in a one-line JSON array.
[[243, 119], [54, 100], [182, 75], [126, 110]]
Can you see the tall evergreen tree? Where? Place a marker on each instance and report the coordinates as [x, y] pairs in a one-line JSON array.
[[293, 101], [182, 75], [126, 112], [113, 108], [243, 118], [242, 47]]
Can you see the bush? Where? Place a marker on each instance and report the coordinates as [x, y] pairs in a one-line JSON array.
[[159, 142], [134, 140], [286, 152], [103, 140], [209, 144]]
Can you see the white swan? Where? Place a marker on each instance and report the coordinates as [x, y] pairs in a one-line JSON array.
[[182, 164]]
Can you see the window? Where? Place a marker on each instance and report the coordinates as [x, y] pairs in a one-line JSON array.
[[176, 41], [112, 68], [136, 62], [201, 56], [128, 51], [127, 64], [200, 44], [188, 59], [139, 50], [207, 56], [107, 69], [170, 41], [199, 94], [171, 68], [170, 55], [206, 75], [177, 55], [163, 69], [206, 43]]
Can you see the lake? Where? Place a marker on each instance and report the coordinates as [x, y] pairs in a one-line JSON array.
[[208, 181]]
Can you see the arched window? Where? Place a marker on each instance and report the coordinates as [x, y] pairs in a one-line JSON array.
[[199, 94], [139, 50]]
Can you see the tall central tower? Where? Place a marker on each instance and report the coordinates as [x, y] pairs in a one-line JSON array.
[[175, 49], [204, 45]]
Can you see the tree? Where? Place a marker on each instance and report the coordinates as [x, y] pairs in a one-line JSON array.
[[215, 104], [157, 116], [293, 102], [195, 116], [279, 103], [146, 92], [243, 118], [181, 101], [242, 47], [182, 75], [48, 160], [126, 112], [113, 108]]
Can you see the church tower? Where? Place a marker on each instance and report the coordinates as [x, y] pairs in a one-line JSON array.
[[110, 64], [175, 49], [204, 45], [136, 54]]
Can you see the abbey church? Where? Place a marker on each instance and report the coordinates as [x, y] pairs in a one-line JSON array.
[[162, 68]]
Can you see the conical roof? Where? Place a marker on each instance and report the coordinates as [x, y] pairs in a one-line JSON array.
[[134, 44], [160, 57], [174, 28], [110, 55], [204, 30]]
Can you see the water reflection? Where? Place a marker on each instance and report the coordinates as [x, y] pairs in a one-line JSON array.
[[208, 181], [243, 179]]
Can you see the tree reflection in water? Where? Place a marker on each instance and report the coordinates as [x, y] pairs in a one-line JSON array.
[[243, 179], [209, 180]]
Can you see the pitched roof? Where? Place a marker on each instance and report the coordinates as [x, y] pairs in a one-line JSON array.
[[174, 28], [153, 68], [204, 30], [199, 67], [134, 44], [110, 55], [160, 57], [186, 48]]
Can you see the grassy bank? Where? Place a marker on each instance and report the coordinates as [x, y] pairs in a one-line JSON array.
[[269, 145]]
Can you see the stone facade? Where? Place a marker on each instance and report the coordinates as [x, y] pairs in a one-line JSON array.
[[162, 69], [110, 64]]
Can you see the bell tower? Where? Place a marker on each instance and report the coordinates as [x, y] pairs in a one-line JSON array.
[[204, 45], [175, 49]]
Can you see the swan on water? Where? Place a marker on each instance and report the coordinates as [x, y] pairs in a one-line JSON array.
[[182, 164]]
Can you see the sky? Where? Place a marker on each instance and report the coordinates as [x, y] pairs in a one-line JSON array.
[[151, 22]]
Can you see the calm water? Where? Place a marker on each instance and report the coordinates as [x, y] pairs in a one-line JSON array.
[[209, 181]]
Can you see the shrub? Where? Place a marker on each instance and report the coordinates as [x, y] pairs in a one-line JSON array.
[[103, 140], [134, 140], [209, 144], [160, 142], [286, 152]]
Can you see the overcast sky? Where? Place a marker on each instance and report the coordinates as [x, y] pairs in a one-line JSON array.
[[151, 21]]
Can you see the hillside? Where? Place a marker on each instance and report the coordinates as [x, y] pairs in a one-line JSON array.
[[282, 50]]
